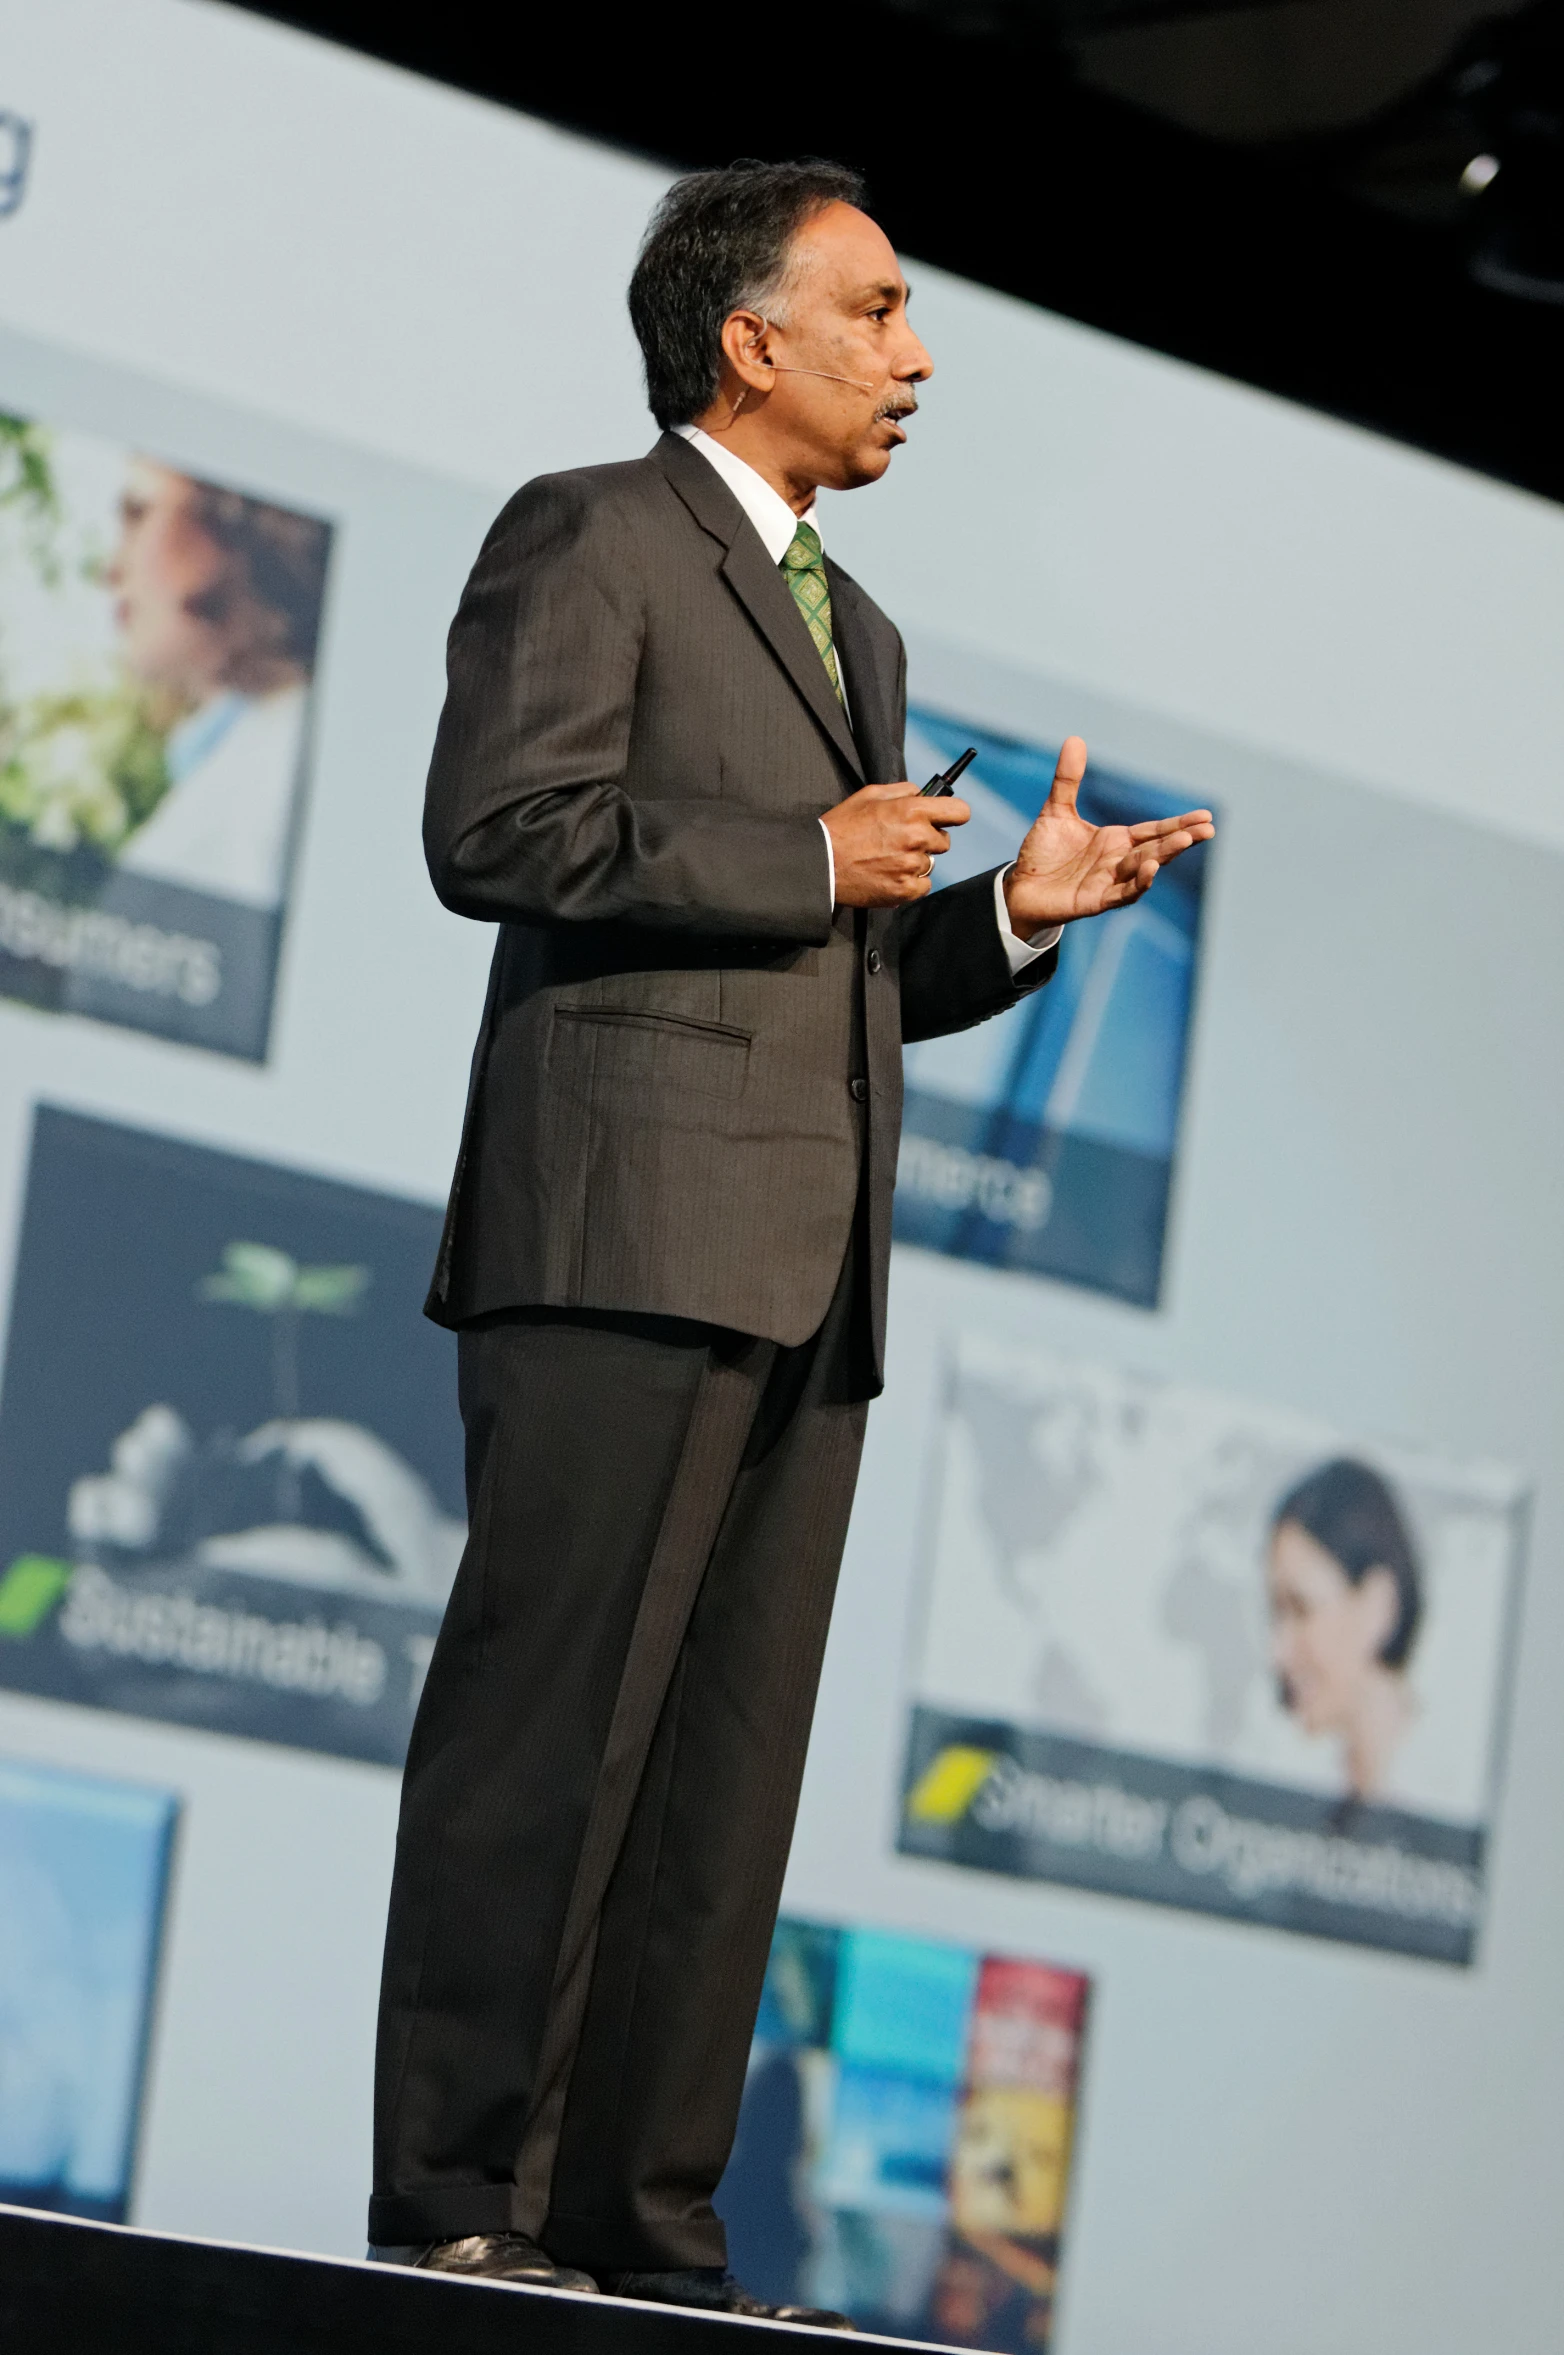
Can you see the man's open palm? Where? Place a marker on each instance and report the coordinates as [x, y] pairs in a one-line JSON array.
[[1067, 868]]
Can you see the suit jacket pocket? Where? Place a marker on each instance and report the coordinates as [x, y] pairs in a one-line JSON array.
[[649, 1066]]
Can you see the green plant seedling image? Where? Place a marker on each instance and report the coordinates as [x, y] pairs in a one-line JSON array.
[[273, 1284]]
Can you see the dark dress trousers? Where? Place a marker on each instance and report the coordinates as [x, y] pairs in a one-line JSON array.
[[666, 1257]]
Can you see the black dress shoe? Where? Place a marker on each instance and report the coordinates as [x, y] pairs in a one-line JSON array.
[[503, 2256], [713, 2291]]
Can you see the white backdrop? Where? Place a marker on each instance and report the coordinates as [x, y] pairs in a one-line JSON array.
[[390, 304]]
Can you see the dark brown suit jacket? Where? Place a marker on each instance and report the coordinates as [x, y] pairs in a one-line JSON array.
[[668, 1111]]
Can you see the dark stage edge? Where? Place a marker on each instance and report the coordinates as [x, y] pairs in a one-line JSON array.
[[103, 2289]]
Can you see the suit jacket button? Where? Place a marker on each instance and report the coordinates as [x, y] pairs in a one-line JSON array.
[[858, 1089], [873, 960]]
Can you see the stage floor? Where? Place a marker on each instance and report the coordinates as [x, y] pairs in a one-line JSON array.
[[68, 2288]]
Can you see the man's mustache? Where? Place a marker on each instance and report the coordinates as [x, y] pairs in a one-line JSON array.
[[904, 406]]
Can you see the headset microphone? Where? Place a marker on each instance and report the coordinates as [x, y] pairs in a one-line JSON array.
[[823, 373]]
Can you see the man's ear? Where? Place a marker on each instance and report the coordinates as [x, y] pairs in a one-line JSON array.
[[746, 340]]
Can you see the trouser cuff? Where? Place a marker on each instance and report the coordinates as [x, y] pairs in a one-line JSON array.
[[446, 2212]]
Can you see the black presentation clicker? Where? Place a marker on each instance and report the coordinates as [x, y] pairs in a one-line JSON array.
[[945, 782]]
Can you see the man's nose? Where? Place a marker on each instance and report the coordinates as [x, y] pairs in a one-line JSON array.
[[915, 366]]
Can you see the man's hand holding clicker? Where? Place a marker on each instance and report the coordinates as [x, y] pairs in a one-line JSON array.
[[885, 839]]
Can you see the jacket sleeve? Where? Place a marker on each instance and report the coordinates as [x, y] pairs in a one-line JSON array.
[[526, 815], [954, 971]]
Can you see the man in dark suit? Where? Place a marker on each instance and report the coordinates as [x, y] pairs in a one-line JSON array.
[[670, 769]]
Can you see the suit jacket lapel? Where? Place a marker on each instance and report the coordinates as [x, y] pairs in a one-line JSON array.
[[758, 585], [870, 690]]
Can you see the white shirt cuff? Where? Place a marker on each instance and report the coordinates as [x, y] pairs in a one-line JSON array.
[[1020, 953], [830, 862]]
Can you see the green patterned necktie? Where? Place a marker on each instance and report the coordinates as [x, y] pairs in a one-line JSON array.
[[804, 567]]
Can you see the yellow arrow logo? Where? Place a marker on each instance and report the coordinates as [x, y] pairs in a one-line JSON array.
[[949, 1784]]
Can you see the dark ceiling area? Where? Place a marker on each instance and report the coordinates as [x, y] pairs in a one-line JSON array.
[[1357, 204]]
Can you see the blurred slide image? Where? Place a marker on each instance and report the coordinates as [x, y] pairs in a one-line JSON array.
[[1045, 1139], [230, 1460], [903, 2154], [84, 1868], [1182, 1647], [158, 639]]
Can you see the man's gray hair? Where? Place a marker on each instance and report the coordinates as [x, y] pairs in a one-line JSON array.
[[720, 242]]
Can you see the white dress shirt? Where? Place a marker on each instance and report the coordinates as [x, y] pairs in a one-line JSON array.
[[776, 523]]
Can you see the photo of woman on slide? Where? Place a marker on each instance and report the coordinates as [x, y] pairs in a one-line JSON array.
[[1346, 1600], [217, 602]]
